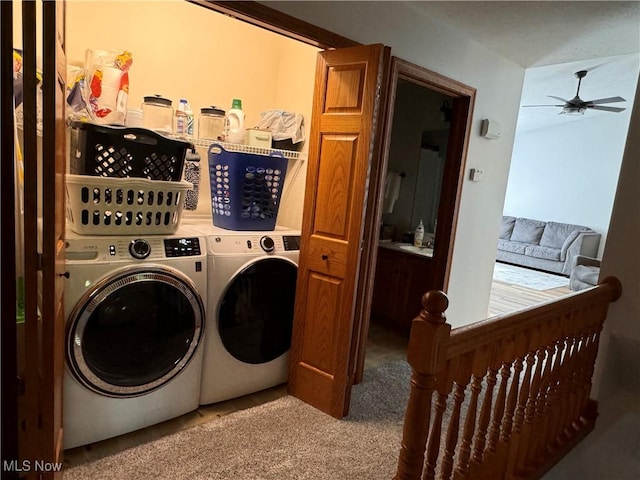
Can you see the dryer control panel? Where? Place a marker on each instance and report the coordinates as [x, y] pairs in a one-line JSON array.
[[291, 242], [261, 243]]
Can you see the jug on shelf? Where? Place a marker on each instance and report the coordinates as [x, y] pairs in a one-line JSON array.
[[235, 123]]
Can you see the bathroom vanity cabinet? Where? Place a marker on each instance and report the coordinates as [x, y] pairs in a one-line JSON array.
[[401, 279]]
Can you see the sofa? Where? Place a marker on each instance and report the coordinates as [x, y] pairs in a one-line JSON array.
[[549, 246]]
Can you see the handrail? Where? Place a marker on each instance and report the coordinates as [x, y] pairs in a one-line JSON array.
[[490, 330], [506, 397]]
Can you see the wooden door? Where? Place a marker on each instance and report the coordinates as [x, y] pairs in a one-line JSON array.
[[342, 139], [53, 222], [42, 345]]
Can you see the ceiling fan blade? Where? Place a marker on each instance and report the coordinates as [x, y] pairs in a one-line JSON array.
[[606, 100], [558, 98], [608, 109], [542, 105]]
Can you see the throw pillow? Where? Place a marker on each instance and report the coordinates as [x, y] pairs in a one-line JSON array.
[[506, 227], [526, 230], [555, 234]]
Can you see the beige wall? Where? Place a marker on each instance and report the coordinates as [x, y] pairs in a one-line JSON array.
[[181, 50]]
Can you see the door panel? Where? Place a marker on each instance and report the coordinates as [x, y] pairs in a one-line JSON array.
[[323, 295], [344, 89], [337, 162], [343, 128]]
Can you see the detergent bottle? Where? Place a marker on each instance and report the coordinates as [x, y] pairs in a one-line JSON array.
[[418, 234], [235, 123]]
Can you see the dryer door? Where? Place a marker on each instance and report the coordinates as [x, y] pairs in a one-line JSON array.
[[255, 317], [134, 331]]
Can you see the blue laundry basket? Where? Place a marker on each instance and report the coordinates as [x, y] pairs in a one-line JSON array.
[[245, 188]]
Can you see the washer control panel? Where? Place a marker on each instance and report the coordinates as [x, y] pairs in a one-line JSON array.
[[181, 247], [115, 249]]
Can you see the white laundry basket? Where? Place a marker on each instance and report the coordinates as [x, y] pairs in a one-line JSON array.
[[117, 206]]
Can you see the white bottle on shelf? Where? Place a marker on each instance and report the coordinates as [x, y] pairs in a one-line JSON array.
[[180, 119], [235, 123], [418, 234]]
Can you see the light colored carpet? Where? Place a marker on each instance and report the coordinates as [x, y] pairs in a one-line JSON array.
[[281, 440], [528, 278]]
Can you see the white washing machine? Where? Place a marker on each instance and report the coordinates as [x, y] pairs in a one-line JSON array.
[[252, 288], [135, 310]]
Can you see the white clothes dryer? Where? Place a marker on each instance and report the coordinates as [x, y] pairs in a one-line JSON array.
[[252, 288], [135, 310]]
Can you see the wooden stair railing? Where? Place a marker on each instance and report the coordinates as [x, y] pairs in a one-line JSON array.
[[504, 398]]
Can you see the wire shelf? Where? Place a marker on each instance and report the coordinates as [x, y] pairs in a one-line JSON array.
[[240, 148]]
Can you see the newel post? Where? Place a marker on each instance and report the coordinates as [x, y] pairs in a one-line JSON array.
[[426, 355]]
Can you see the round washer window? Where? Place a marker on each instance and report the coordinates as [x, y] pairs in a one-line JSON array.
[[255, 318], [134, 332]]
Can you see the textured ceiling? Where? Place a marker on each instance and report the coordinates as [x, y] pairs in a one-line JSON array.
[[553, 40], [544, 33]]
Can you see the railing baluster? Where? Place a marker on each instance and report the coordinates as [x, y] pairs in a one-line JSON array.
[[433, 447], [521, 425], [469, 427], [512, 400], [569, 396], [485, 416], [498, 412], [452, 432], [537, 397], [542, 435]]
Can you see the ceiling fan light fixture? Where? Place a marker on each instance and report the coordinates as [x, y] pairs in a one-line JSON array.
[[573, 111]]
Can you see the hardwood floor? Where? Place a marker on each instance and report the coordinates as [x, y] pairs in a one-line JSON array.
[[383, 346], [507, 298]]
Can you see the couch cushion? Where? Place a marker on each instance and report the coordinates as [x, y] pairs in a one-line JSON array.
[[539, 251], [509, 246], [555, 234], [526, 230], [506, 227]]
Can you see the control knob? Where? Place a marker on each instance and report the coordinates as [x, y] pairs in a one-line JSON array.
[[139, 248], [267, 244]]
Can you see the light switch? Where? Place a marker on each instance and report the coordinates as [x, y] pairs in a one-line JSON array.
[[475, 175]]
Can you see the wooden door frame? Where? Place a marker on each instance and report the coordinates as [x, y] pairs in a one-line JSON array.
[[8, 329], [273, 20], [455, 162]]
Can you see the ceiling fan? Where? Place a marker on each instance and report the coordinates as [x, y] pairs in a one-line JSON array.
[[577, 106]]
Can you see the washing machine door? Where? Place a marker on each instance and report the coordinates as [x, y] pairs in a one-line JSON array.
[[255, 316], [134, 331]]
